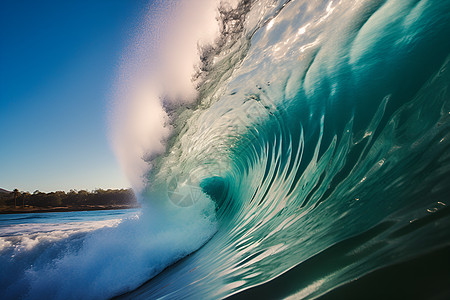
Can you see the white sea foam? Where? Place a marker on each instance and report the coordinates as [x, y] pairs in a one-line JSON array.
[[76, 264]]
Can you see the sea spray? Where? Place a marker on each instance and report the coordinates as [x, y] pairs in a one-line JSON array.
[[158, 72]]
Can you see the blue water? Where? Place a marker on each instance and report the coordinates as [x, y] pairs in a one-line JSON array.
[[313, 162], [65, 217]]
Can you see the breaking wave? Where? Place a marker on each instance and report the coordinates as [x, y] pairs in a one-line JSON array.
[[302, 145]]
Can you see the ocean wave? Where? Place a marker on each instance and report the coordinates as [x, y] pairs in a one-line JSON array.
[[330, 129], [298, 148]]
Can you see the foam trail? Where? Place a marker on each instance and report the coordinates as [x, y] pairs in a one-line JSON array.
[[111, 260]]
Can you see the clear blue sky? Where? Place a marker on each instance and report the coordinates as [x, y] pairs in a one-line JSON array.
[[58, 62]]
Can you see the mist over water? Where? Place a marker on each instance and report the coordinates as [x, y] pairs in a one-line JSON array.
[[158, 72], [291, 148]]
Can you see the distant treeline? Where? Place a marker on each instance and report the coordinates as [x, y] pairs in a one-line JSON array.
[[75, 200]]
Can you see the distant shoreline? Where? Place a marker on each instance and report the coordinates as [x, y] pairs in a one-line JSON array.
[[16, 202], [28, 210]]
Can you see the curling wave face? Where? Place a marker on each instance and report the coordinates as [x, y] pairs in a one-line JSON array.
[[326, 140]]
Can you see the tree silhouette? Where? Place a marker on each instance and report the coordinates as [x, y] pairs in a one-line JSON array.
[[16, 194]]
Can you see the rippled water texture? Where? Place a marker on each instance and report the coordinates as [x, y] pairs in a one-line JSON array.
[[326, 149]]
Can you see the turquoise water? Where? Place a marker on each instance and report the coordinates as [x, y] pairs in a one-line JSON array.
[[315, 162], [326, 150]]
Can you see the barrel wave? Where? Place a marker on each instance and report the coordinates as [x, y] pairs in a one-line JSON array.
[[310, 158]]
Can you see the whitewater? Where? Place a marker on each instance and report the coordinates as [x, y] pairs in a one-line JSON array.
[[281, 149]]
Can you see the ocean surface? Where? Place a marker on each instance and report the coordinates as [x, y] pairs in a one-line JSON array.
[[29, 240], [307, 157]]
